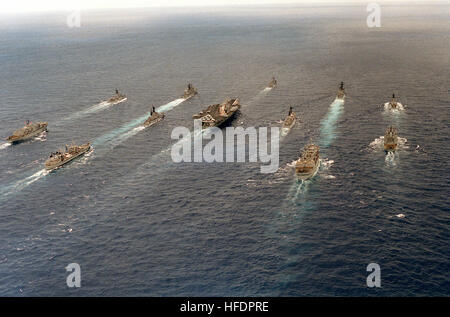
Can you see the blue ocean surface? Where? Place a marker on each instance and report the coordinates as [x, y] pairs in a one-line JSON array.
[[141, 225]]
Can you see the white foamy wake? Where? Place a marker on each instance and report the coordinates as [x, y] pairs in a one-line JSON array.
[[402, 142], [326, 163], [329, 123], [86, 156], [260, 95], [291, 164], [41, 137], [4, 145], [127, 135], [284, 132], [23, 183], [390, 158], [378, 143], [133, 127], [170, 105], [398, 109], [102, 105], [298, 187], [93, 109]]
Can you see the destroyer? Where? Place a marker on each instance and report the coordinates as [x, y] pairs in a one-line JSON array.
[[390, 139], [118, 97], [393, 104], [273, 83], [308, 163], [60, 158], [154, 118], [290, 120], [29, 131], [341, 92], [218, 114], [189, 92]]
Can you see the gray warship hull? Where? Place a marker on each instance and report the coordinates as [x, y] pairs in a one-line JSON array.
[[189, 95], [289, 123], [116, 100], [85, 149], [149, 123], [15, 140]]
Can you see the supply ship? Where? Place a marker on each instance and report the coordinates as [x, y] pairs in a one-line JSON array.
[[390, 139], [308, 163], [59, 158]]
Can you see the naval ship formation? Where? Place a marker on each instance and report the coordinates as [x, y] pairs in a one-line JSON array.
[[215, 115]]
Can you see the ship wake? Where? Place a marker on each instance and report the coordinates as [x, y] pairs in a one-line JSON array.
[[327, 135], [23, 183], [378, 144], [329, 123], [391, 158], [298, 189], [4, 145], [284, 132], [41, 137], [93, 109], [117, 136], [398, 109], [258, 96]]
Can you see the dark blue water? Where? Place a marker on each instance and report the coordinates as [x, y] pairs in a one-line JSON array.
[[139, 224]]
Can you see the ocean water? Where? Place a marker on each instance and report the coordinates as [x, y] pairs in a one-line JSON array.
[[140, 225]]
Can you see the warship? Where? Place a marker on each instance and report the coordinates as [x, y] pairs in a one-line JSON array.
[[118, 97], [393, 104], [273, 83], [154, 118], [290, 120], [60, 158], [308, 163], [218, 114], [390, 139], [29, 131], [341, 92], [189, 92]]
